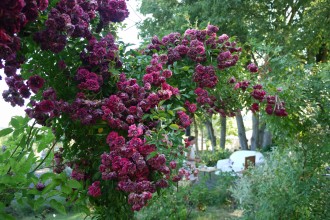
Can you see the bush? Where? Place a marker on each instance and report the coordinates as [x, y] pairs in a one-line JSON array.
[[173, 203], [210, 158], [212, 193], [186, 201], [285, 187]]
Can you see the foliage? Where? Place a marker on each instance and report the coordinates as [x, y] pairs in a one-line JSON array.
[[291, 24], [119, 114], [296, 167], [285, 187], [211, 158], [210, 192], [309, 106], [187, 201], [19, 162]]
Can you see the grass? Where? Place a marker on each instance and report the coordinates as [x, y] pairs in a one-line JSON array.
[[223, 213], [51, 216]]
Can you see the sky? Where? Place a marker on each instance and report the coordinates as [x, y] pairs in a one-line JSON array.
[[128, 35]]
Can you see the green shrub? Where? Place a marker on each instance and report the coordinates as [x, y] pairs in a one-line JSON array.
[[173, 203], [210, 158], [188, 200], [285, 187], [212, 193]]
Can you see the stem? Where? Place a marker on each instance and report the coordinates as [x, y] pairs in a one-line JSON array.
[[43, 160], [30, 132]]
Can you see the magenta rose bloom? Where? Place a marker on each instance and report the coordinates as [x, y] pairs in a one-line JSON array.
[[94, 190], [46, 106], [252, 68], [35, 83]]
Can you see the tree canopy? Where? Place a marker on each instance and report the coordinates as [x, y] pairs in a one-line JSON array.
[[294, 25]]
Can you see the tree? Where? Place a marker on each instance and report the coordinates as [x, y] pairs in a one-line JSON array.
[[241, 131], [210, 131], [223, 129], [255, 132]]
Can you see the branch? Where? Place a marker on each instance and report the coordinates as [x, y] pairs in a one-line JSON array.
[[254, 58], [30, 132], [43, 160]]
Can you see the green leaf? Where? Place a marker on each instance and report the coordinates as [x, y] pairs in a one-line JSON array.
[[144, 117], [161, 103], [151, 155], [47, 176], [57, 206], [5, 131], [74, 184], [84, 209], [185, 68], [171, 112], [49, 187], [179, 108], [33, 192], [15, 122], [67, 190], [38, 203], [174, 126]]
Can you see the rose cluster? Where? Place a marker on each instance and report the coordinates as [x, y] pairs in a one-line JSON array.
[[88, 80], [95, 189], [242, 85], [14, 15], [99, 54], [58, 161], [48, 107], [112, 11], [67, 18], [128, 161], [258, 93], [205, 76], [275, 106], [192, 107], [193, 45], [253, 68], [97, 57], [203, 97]]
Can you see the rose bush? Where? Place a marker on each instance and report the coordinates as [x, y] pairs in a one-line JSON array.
[[120, 120]]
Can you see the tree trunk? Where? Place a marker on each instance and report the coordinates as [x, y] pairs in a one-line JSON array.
[[267, 140], [210, 132], [196, 134], [241, 131], [255, 131], [223, 122], [202, 139], [262, 129]]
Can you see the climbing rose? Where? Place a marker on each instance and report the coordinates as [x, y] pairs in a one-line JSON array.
[[95, 190], [252, 68], [35, 83]]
